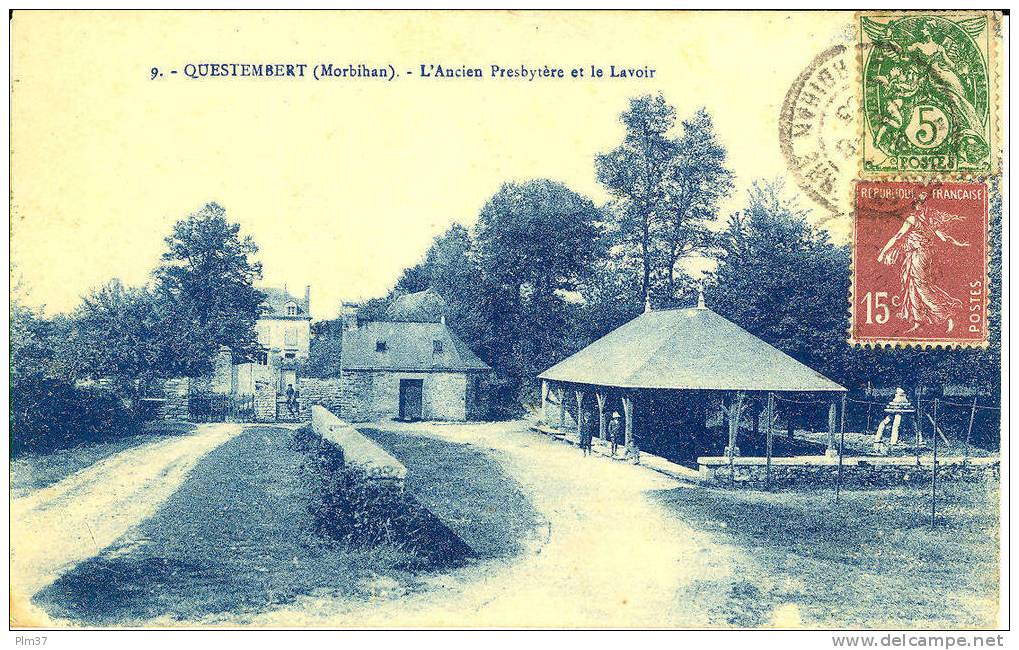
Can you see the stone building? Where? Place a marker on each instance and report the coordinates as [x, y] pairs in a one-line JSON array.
[[284, 328], [410, 371]]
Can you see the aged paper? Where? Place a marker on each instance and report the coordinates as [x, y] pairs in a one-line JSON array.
[[512, 319]]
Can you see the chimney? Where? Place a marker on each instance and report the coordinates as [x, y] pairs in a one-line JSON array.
[[348, 313], [647, 304], [307, 299], [700, 300]]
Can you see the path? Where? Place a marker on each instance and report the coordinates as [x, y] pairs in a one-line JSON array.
[[74, 519], [608, 555]]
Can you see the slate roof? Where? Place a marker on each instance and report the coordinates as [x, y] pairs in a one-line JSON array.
[[420, 307], [409, 347], [693, 349], [276, 301]]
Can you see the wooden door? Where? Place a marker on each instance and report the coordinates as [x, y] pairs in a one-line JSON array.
[[411, 391]]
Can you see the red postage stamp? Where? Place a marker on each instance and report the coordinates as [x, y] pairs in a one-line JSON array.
[[920, 264]]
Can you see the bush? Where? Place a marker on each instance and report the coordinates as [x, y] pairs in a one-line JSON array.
[[49, 414], [364, 513]]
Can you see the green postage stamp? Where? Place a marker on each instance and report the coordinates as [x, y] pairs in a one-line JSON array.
[[929, 93]]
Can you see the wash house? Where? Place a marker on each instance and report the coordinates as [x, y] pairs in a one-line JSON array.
[[674, 376]]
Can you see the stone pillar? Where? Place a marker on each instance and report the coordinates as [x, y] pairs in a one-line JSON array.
[[831, 451], [602, 429], [223, 372], [544, 401]]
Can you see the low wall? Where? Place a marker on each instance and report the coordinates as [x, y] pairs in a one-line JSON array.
[[357, 449], [325, 392], [857, 471]]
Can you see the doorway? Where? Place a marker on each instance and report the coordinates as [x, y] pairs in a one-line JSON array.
[[411, 391]]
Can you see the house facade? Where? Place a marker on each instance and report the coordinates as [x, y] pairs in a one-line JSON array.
[[410, 371], [284, 328]]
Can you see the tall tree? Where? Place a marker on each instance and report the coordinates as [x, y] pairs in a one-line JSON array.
[[664, 190], [700, 180], [206, 281], [637, 175], [536, 243], [784, 281]]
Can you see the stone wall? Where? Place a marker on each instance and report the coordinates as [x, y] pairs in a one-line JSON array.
[[857, 472], [355, 395], [357, 450], [326, 392], [175, 394], [375, 395], [265, 402], [358, 396]]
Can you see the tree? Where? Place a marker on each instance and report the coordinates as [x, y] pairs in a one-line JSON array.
[[664, 190], [413, 279], [206, 282], [636, 174], [784, 281], [536, 243], [700, 180], [325, 349], [117, 332]]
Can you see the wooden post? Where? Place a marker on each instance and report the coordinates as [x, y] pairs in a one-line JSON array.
[[735, 415], [770, 433], [544, 401], [602, 430], [842, 445], [562, 407], [830, 451], [934, 466], [628, 423], [969, 430], [580, 413], [918, 424]]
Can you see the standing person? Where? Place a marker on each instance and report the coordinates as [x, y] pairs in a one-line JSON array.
[[290, 398], [614, 431]]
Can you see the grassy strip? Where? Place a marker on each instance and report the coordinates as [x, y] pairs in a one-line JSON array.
[[871, 561]]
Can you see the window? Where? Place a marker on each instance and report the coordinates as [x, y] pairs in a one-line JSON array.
[[436, 347], [380, 346], [262, 358], [289, 355], [291, 310]]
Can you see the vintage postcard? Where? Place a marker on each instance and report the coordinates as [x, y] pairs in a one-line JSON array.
[[508, 319]]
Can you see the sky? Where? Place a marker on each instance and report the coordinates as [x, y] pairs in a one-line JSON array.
[[344, 182]]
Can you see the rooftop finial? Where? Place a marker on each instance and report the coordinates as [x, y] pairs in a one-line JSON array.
[[647, 304], [700, 299]]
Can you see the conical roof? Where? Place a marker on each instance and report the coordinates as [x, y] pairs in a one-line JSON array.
[[691, 349]]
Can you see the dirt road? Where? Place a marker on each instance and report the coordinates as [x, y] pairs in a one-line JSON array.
[[608, 556], [65, 523]]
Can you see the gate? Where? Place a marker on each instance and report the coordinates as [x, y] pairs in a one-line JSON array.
[[207, 406]]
